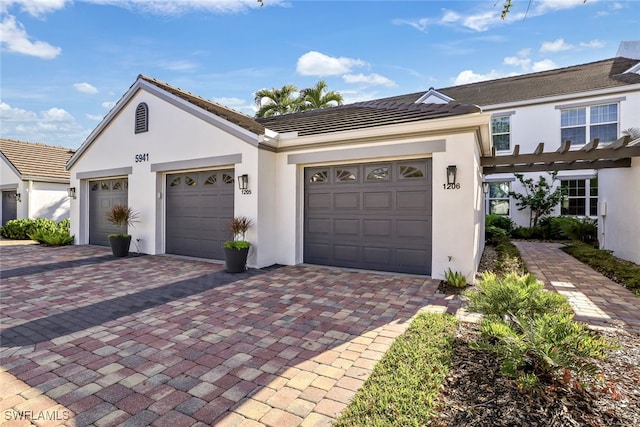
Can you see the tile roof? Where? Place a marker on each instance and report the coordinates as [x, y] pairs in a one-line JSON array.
[[236, 117], [608, 73], [361, 115], [35, 159]]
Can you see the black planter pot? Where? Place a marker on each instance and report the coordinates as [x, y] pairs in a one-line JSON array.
[[120, 245], [235, 259]]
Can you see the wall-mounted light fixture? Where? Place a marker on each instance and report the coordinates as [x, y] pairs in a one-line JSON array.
[[485, 187], [18, 197], [71, 192], [243, 182], [565, 202], [451, 174]]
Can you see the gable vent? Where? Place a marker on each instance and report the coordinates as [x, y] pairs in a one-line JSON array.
[[142, 118]]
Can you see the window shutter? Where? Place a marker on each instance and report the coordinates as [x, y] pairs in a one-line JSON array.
[[142, 118]]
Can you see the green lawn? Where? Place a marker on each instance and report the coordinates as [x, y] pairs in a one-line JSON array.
[[404, 386]]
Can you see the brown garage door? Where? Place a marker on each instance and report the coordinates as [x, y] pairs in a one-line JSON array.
[[199, 206], [102, 195], [373, 216]]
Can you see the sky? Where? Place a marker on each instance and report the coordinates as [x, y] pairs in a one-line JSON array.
[[64, 64]]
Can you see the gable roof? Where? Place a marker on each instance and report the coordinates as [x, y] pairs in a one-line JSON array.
[[362, 115], [35, 159], [233, 116], [605, 74]]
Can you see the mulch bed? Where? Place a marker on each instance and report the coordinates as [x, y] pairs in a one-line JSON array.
[[477, 394]]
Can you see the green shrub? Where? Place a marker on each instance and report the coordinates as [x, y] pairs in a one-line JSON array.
[[548, 346], [620, 271], [236, 244], [553, 227], [585, 230], [52, 238], [527, 233], [533, 332], [514, 295], [455, 279], [499, 221], [492, 234], [20, 229]]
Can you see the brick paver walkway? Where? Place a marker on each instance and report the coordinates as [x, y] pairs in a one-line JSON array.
[[88, 339], [594, 298]]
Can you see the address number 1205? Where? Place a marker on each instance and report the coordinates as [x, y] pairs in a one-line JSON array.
[[455, 186]]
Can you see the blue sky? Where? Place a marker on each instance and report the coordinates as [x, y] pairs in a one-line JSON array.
[[64, 63]]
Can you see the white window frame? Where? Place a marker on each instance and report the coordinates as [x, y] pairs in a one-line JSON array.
[[488, 198], [587, 124], [587, 197], [500, 116]]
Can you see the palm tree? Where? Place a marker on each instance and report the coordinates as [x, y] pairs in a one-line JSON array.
[[273, 102], [315, 97]]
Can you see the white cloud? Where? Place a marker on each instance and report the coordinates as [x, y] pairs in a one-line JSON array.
[[94, 117], [178, 65], [318, 64], [481, 22], [173, 7], [468, 76], [369, 80], [544, 65], [557, 45], [593, 44], [108, 105], [54, 126], [518, 61], [540, 7], [16, 39], [85, 88], [34, 8]]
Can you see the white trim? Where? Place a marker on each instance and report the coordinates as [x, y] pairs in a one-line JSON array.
[[591, 103], [437, 97], [384, 151], [6, 187], [208, 162], [503, 114], [506, 179], [105, 173]]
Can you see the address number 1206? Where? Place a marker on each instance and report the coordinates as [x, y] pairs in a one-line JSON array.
[[455, 186]]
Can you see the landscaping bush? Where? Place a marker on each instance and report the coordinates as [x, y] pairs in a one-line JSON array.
[[620, 271], [533, 332], [514, 295], [500, 221], [527, 233], [585, 230], [553, 227], [455, 278], [492, 234], [41, 230]]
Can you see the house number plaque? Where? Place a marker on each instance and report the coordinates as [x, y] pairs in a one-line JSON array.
[[245, 191], [142, 157], [455, 186]]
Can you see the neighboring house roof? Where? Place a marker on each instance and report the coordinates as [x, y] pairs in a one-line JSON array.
[[35, 159], [605, 74], [361, 115], [240, 119]]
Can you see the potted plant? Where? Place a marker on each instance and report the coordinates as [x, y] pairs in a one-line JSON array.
[[121, 216], [236, 250]]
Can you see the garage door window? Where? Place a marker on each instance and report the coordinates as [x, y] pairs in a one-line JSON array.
[[175, 182], [411, 171], [227, 179], [321, 176], [211, 180], [377, 173], [346, 175], [190, 181]]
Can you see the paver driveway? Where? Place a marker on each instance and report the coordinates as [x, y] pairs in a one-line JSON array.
[[88, 339]]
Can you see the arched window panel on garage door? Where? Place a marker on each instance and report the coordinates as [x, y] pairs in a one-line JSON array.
[[227, 179], [377, 173], [315, 176], [346, 174], [211, 180], [417, 170], [189, 181]]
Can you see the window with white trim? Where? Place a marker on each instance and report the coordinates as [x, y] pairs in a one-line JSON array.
[[581, 197], [583, 124], [497, 199], [501, 133]]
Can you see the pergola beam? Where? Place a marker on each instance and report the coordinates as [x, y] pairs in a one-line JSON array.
[[558, 166]]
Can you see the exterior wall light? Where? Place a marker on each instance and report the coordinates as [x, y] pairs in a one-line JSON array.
[[243, 182], [451, 174], [18, 197], [71, 192], [485, 187]]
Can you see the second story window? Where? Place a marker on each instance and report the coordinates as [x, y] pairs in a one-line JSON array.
[[142, 118], [583, 124], [501, 133]]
